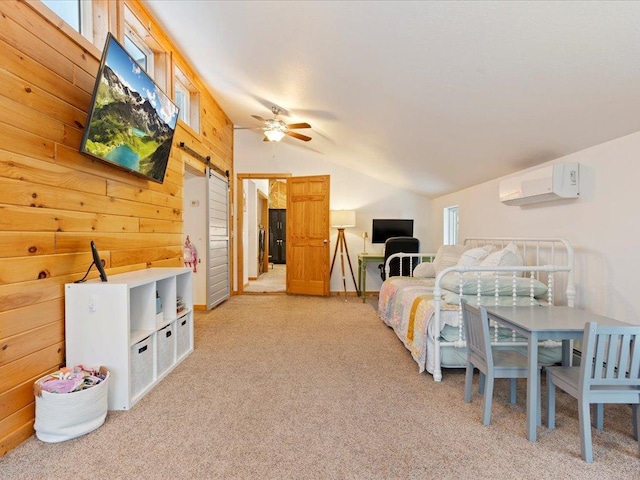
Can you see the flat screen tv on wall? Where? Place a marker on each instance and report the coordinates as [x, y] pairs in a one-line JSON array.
[[131, 121], [387, 228]]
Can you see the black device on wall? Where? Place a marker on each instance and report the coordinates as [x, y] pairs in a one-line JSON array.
[[131, 121], [97, 262], [383, 229]]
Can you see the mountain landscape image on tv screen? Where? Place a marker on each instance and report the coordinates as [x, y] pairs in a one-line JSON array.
[[131, 122]]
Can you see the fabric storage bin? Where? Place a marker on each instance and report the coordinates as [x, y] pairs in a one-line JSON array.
[[166, 346], [141, 365], [183, 327], [63, 416]]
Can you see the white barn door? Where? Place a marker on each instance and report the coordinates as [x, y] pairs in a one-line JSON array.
[[218, 289]]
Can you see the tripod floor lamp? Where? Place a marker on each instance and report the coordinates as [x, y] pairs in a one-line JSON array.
[[342, 219]]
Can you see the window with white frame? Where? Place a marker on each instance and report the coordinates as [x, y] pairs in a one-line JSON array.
[[141, 44], [451, 225], [187, 98], [182, 100], [140, 52], [76, 13]]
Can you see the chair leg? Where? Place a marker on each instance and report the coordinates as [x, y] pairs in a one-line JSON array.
[[551, 403], [468, 383], [512, 391], [634, 414], [488, 398], [539, 399], [584, 420], [481, 386], [599, 421]]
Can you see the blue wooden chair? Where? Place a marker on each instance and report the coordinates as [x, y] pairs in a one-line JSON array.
[[491, 362], [609, 373]]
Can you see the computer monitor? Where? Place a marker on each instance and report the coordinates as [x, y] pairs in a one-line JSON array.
[[383, 229]]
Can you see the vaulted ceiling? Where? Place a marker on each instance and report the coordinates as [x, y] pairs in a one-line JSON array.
[[432, 96]]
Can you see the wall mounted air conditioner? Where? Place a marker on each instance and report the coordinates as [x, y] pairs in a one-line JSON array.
[[552, 182]]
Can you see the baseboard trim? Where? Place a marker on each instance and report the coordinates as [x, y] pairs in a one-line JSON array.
[[339, 293]]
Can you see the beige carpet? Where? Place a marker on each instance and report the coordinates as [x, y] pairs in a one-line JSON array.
[[283, 387], [272, 281]]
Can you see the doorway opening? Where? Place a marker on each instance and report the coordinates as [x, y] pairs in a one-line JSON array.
[[273, 280], [261, 246]]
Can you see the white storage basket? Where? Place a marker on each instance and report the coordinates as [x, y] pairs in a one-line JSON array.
[[63, 416], [166, 348], [141, 365], [183, 327]]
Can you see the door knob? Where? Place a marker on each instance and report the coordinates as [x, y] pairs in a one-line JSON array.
[[325, 241]]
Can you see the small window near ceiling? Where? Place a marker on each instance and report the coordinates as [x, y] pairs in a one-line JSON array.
[[76, 13], [139, 51], [182, 100], [451, 225], [150, 54], [187, 98]]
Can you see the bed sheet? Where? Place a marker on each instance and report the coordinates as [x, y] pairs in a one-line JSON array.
[[453, 357], [406, 305], [395, 286]]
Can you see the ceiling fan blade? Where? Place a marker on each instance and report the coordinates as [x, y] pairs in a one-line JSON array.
[[247, 128], [299, 136], [257, 117], [298, 125]]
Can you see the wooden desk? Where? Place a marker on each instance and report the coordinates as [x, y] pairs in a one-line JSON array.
[[541, 323], [363, 260]]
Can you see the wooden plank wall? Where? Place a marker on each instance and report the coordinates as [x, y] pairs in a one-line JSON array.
[[53, 200]]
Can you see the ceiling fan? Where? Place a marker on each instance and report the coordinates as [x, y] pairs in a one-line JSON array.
[[275, 129]]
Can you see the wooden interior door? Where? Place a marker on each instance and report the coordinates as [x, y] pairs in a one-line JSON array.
[[308, 235]]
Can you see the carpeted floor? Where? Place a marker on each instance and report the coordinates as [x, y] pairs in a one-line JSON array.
[[272, 281], [286, 387]]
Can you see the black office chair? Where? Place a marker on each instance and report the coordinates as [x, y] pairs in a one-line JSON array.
[[397, 245]]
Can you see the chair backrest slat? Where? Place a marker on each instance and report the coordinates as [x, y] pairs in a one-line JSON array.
[[598, 359], [611, 364], [634, 363], [623, 360]]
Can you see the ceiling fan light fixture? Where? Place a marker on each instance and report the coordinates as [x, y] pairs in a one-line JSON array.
[[274, 135], [275, 129]]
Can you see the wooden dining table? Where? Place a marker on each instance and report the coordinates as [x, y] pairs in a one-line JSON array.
[[542, 323]]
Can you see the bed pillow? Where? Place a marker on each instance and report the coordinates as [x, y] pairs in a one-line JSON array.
[[488, 284], [473, 256], [507, 257], [447, 256], [425, 270]]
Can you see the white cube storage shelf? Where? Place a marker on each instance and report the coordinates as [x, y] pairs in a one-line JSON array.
[[116, 324]]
